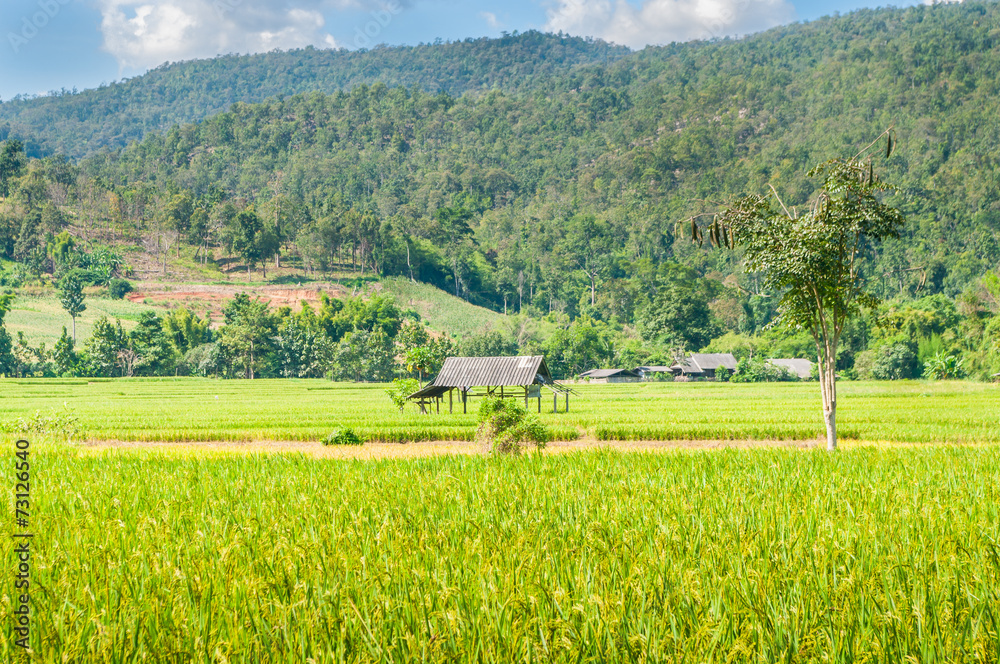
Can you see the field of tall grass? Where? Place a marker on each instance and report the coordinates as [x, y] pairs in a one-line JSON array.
[[189, 409], [875, 553]]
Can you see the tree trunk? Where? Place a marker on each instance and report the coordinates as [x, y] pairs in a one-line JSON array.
[[249, 276], [263, 267], [828, 388]]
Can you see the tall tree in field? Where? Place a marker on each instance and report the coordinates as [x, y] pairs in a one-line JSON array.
[[812, 256], [71, 297], [454, 233]]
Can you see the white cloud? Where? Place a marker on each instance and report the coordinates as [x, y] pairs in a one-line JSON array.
[[665, 21], [491, 19], [146, 33]]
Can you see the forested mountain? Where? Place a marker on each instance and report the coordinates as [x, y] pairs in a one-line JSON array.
[[78, 124], [563, 200]]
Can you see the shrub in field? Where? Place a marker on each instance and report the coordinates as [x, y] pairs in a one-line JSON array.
[[118, 288], [944, 367], [505, 425], [343, 436], [753, 370], [63, 425], [400, 389]]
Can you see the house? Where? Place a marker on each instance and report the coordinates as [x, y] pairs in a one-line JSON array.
[[467, 377], [650, 372], [703, 365], [611, 376], [797, 366]]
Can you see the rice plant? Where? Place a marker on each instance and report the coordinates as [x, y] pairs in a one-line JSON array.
[[872, 554]]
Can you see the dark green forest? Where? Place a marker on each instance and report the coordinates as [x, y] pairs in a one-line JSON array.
[[82, 123], [548, 177]]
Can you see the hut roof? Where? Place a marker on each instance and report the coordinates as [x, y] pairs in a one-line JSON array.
[[798, 366], [465, 372], [608, 373], [654, 369], [701, 362]]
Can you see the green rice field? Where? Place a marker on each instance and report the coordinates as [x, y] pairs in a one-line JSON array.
[[880, 552], [875, 553], [189, 409]]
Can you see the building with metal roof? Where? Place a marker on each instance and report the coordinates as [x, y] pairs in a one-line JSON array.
[[467, 377], [611, 375], [797, 366], [703, 365], [652, 371]]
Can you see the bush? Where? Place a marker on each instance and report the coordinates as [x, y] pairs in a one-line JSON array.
[[343, 436], [505, 425], [894, 361], [400, 389], [944, 367], [759, 371], [118, 289]]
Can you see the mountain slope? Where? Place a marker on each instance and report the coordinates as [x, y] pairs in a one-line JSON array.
[[78, 124]]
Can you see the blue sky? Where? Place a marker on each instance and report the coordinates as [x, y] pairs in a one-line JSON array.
[[54, 44]]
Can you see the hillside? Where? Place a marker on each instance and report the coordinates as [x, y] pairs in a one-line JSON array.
[[78, 124], [564, 202], [637, 145]]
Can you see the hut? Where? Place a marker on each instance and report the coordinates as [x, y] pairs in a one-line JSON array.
[[611, 376], [702, 365], [467, 377], [796, 366], [653, 371]]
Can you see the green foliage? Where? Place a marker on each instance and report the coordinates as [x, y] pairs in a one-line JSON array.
[[111, 116], [505, 426], [64, 356], [62, 424], [302, 349], [12, 163], [891, 361], [585, 344], [118, 288], [758, 370], [944, 367], [248, 335], [102, 348], [365, 356], [71, 297], [678, 317], [343, 436], [400, 389]]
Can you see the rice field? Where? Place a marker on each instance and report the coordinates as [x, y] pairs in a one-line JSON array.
[[189, 409], [876, 553], [881, 552]]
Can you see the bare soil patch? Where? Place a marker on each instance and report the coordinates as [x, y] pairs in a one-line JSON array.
[[209, 299], [433, 448]]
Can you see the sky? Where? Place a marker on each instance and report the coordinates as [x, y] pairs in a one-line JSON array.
[[51, 45]]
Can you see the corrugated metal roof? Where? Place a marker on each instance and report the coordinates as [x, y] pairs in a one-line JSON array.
[[714, 360], [801, 367], [698, 363], [492, 371], [654, 369], [608, 373]]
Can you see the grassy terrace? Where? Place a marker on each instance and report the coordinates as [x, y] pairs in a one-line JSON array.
[[205, 410]]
